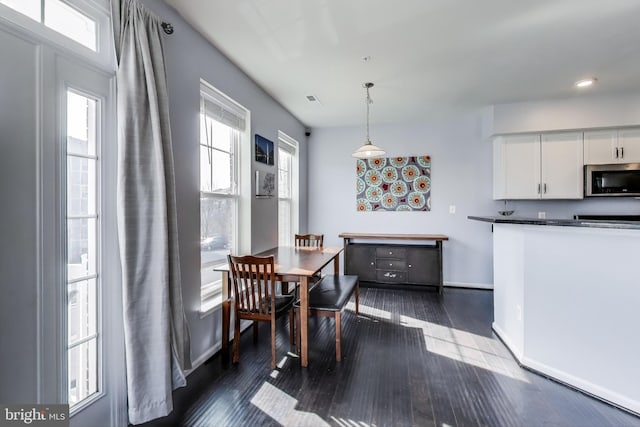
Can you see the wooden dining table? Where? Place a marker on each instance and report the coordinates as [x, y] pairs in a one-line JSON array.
[[292, 264]]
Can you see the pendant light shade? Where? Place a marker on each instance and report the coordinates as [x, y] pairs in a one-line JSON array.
[[368, 150]]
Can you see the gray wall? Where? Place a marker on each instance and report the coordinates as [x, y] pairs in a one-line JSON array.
[[189, 58], [19, 264], [461, 175]]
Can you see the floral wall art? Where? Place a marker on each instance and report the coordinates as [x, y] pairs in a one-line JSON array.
[[394, 184]]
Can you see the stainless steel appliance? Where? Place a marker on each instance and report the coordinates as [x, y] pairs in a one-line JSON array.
[[607, 217], [618, 180]]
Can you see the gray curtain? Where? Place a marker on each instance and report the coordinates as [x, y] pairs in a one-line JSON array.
[[156, 334]]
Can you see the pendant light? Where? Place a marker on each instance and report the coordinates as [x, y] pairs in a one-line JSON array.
[[368, 150]]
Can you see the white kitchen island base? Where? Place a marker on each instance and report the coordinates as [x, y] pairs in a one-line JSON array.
[[567, 304]]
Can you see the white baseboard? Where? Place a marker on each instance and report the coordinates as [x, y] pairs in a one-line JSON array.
[[585, 386], [567, 379], [517, 353], [213, 350], [203, 358], [469, 285]]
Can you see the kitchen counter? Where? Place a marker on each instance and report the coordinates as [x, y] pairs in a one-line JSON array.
[[566, 298], [591, 223]]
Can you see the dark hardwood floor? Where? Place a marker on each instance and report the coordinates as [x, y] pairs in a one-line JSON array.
[[410, 359]]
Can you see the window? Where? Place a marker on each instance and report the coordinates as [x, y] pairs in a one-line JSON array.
[[287, 189], [222, 127], [61, 17], [83, 240]]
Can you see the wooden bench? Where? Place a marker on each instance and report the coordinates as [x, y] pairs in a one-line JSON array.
[[328, 298]]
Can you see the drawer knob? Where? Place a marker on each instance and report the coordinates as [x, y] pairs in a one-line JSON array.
[[391, 264], [409, 265], [372, 263]]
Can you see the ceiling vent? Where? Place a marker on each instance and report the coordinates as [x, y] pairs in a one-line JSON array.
[[313, 98]]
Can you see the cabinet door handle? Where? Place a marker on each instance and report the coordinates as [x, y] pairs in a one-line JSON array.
[[545, 188], [538, 188], [616, 152], [371, 263], [622, 152], [409, 265]]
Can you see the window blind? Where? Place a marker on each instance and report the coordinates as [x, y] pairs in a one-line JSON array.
[[222, 109]]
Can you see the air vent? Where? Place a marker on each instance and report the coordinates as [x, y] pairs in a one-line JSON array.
[[313, 98]]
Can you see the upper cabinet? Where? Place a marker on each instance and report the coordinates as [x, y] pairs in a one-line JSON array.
[[547, 166], [612, 146]]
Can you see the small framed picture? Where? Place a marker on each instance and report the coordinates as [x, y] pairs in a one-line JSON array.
[[264, 150], [265, 184]]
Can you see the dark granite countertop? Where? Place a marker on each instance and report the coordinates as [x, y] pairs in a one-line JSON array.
[[592, 223]]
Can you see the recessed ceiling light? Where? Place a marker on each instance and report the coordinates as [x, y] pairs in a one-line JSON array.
[[586, 82]]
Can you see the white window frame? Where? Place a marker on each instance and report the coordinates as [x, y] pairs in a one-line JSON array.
[[97, 216], [211, 293], [98, 10], [290, 145]]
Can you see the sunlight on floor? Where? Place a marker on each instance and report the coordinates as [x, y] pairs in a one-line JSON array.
[[350, 423], [281, 407], [454, 343]]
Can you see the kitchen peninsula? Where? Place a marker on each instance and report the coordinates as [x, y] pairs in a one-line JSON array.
[[566, 295]]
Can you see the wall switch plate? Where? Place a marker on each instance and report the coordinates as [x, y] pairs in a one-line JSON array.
[[452, 209], [542, 215]]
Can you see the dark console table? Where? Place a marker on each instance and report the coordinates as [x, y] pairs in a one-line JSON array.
[[412, 263]]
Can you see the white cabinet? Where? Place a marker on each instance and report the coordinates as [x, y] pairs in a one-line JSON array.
[[547, 166], [612, 146]]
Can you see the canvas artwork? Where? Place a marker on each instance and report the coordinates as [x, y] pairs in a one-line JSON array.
[[264, 150], [394, 184]]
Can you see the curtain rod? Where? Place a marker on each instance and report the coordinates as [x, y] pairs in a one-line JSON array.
[[167, 27]]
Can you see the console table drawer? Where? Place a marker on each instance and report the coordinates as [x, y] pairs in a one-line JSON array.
[[386, 276], [391, 252], [391, 264]]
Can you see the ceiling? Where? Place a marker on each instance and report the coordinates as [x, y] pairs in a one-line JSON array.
[[428, 58]]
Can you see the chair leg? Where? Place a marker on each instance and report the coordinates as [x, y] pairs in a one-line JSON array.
[[236, 340], [273, 343], [297, 331], [292, 319], [255, 331], [284, 287], [338, 336]]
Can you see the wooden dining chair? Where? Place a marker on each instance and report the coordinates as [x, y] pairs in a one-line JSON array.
[[309, 240], [304, 241], [254, 292]]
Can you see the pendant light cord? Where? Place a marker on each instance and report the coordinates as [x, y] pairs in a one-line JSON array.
[[368, 101]]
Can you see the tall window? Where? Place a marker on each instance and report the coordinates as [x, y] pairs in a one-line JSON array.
[[222, 124], [287, 189], [83, 241], [61, 17]]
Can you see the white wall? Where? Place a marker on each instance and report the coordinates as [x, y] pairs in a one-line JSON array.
[[564, 312], [460, 175], [189, 58]]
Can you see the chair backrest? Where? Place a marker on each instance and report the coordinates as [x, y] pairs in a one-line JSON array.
[[254, 283], [309, 240]]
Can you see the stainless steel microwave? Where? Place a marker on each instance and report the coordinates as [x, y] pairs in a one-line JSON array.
[[617, 180]]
